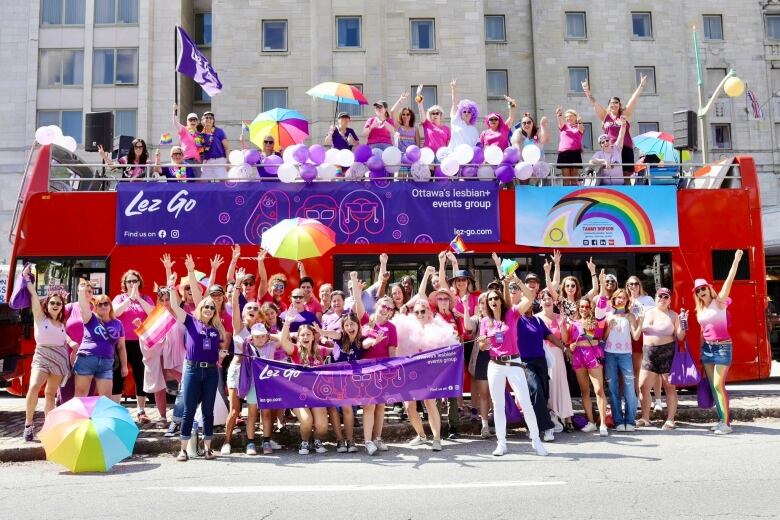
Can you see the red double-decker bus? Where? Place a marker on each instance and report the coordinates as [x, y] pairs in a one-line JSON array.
[[66, 224]]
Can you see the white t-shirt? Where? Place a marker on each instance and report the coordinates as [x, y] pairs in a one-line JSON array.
[[462, 133]]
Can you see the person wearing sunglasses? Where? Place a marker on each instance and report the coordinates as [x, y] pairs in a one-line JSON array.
[[496, 129], [661, 331], [51, 360], [177, 169], [104, 339], [190, 139], [216, 148], [527, 132], [608, 158], [638, 302], [341, 137], [135, 164], [463, 117], [311, 303], [716, 349], [204, 338], [380, 127], [435, 133], [571, 130], [297, 310]]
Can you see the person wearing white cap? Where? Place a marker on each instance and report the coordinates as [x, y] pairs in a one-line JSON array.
[[189, 136]]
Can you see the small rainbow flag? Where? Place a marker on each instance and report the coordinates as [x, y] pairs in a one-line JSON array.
[[509, 266], [458, 245], [153, 330], [166, 138], [244, 127]]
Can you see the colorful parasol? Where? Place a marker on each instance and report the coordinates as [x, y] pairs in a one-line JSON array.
[[658, 143], [338, 92], [298, 238], [88, 434], [286, 126]]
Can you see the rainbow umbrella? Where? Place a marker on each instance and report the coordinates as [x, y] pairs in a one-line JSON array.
[[298, 238], [286, 126], [658, 143], [338, 92], [88, 434]]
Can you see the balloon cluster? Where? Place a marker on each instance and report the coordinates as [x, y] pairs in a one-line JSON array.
[[317, 163], [52, 134]]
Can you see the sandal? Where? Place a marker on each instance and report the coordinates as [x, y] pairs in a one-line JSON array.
[[642, 423], [669, 425], [182, 456], [143, 418], [568, 427], [209, 454]]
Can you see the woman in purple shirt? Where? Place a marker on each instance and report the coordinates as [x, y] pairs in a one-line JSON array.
[[342, 137], [205, 338], [215, 148], [103, 337]]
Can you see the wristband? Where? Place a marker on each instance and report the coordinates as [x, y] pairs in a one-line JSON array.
[[418, 98]]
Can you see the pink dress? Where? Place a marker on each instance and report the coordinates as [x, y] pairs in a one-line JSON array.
[[560, 396]]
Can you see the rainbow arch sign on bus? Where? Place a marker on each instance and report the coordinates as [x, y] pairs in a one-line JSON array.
[[575, 216]]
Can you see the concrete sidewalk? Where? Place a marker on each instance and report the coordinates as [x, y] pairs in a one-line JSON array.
[[749, 401]]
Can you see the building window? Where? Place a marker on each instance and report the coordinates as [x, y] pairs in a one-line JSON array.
[[647, 126], [70, 121], [773, 27], [497, 84], [112, 12], [576, 26], [642, 25], [58, 67], [115, 67], [352, 110], [650, 73], [62, 12], [713, 26], [430, 94], [423, 35], [348, 32], [712, 79], [202, 32], [124, 122], [199, 95], [274, 35], [274, 98], [587, 137], [721, 136], [495, 28], [576, 76]]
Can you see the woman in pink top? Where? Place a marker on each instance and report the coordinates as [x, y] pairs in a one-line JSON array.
[[716, 348], [128, 306], [380, 128], [496, 130], [570, 144], [612, 122], [435, 132], [189, 136], [560, 396]]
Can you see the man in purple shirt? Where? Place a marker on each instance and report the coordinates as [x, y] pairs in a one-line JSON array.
[[298, 309]]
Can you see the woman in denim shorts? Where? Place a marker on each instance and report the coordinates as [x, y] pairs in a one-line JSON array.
[[716, 348]]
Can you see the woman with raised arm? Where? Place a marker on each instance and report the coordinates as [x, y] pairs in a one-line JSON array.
[[342, 137], [611, 118], [463, 118], [379, 128], [526, 132], [716, 348], [189, 136], [435, 133], [608, 158], [51, 361], [571, 130], [104, 338], [216, 148], [135, 165], [406, 131], [496, 129]]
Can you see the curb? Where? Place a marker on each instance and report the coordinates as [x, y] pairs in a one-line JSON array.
[[392, 432]]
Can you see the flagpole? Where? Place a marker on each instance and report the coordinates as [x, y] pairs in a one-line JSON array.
[[175, 60]]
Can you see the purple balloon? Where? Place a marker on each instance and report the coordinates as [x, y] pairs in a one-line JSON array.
[[505, 173], [376, 152], [439, 174], [271, 163], [251, 156], [511, 155], [413, 153], [301, 153], [317, 154], [468, 171], [405, 160], [375, 164], [362, 153], [479, 155], [308, 172]]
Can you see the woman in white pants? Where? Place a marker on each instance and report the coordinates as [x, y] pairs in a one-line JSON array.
[[497, 333]]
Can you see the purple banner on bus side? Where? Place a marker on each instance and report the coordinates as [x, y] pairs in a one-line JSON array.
[[433, 374], [360, 213]]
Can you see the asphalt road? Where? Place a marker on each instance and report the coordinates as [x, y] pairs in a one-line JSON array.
[[688, 473]]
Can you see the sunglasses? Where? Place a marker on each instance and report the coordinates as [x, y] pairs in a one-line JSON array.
[[279, 286], [421, 312], [209, 307], [268, 142], [436, 113], [527, 122], [217, 293], [570, 286], [55, 304], [138, 146], [208, 117], [664, 296], [494, 299], [701, 290], [297, 297], [104, 304], [132, 281], [192, 119], [514, 288], [493, 119], [174, 154], [247, 283], [386, 308], [603, 142], [251, 308], [467, 111], [611, 281], [631, 284], [165, 299]]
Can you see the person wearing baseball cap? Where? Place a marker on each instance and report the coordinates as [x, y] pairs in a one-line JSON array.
[[342, 137], [189, 136], [716, 349], [379, 128]]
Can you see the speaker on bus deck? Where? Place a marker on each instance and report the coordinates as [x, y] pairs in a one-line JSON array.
[[122, 145], [98, 130], [685, 134]]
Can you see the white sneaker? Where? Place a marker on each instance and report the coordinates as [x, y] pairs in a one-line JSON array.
[[304, 449], [370, 447], [275, 445], [620, 428], [549, 435], [500, 449], [658, 406], [630, 427], [485, 432], [558, 425], [436, 445], [225, 450], [380, 444], [417, 441], [590, 427], [716, 427], [539, 447], [319, 447], [724, 429], [603, 430]]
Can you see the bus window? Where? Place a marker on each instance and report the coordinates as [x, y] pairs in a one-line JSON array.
[[721, 263], [61, 275]]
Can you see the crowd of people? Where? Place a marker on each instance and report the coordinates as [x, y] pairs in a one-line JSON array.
[[618, 341], [203, 148]]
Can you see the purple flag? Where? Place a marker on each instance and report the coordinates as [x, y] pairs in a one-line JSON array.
[[433, 374], [194, 64]]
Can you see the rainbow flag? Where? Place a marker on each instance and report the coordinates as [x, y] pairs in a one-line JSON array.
[[153, 330], [244, 127], [458, 245], [166, 138]]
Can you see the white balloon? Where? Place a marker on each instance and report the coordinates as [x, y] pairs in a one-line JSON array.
[[427, 156], [345, 158], [486, 172], [391, 156], [242, 171], [531, 153], [69, 143], [450, 166], [331, 156], [542, 169], [393, 168], [493, 155], [236, 157], [287, 154], [44, 135], [57, 131], [326, 172], [287, 172], [463, 153], [523, 170], [442, 153], [420, 171], [357, 171]]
